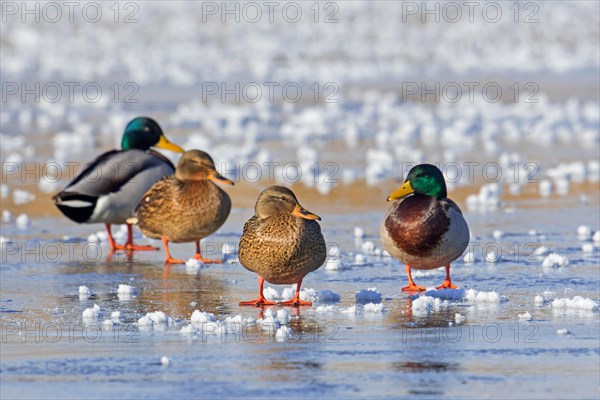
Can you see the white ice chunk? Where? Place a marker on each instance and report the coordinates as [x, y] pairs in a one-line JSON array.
[[459, 318], [84, 293], [576, 303], [555, 260], [91, 313], [200, 317], [6, 216], [283, 334], [327, 296], [22, 197], [469, 257], [271, 294], [526, 316], [584, 232], [126, 292], [23, 221], [370, 295], [374, 308], [154, 318]]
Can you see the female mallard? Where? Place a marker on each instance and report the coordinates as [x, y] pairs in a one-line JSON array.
[[185, 207], [282, 243], [425, 230], [110, 187]]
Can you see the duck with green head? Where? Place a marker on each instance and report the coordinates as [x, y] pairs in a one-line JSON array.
[[424, 228], [111, 186]]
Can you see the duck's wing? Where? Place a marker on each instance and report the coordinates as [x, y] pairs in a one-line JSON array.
[[155, 208], [112, 170], [120, 178], [448, 205]]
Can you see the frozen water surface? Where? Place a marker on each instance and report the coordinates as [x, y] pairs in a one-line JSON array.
[[322, 350]]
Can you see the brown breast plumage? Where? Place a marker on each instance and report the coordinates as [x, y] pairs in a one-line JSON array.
[[183, 211], [417, 224], [282, 248]]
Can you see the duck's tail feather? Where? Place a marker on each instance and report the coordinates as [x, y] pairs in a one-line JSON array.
[[75, 206]]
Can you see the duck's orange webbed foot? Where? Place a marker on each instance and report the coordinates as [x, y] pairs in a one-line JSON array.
[[130, 247], [198, 256], [169, 260], [447, 282], [411, 284], [206, 260], [261, 301], [413, 288], [447, 285], [295, 303]]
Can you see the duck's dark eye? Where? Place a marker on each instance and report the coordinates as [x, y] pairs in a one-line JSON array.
[[146, 129], [282, 198]]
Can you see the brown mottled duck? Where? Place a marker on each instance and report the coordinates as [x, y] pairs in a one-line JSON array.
[[282, 243], [187, 206]]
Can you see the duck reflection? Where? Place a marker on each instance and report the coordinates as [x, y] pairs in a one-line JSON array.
[[404, 317], [172, 290], [424, 366]]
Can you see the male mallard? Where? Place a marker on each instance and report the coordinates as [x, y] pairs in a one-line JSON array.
[[110, 187], [282, 243], [425, 230], [185, 207]]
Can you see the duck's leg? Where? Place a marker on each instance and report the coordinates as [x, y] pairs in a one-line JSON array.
[[296, 300], [198, 256], [447, 282], [111, 241], [261, 301], [411, 284], [130, 246], [169, 259]]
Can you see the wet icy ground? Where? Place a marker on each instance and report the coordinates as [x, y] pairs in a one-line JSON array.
[[508, 334]]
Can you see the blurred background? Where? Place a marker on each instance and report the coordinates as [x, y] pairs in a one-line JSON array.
[[351, 93]]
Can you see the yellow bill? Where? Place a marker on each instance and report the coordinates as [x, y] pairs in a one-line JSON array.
[[403, 191], [164, 143]]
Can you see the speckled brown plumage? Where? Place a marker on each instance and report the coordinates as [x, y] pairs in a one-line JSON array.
[[278, 245], [187, 206], [183, 211], [282, 248]]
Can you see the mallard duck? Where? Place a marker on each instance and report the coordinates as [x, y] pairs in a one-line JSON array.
[[110, 187], [282, 243], [185, 207], [424, 229]]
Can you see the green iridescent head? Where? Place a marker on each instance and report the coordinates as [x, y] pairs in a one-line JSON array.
[[142, 133], [425, 179]]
